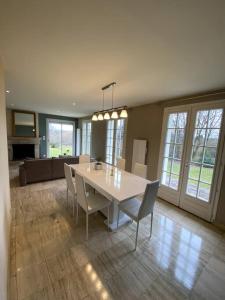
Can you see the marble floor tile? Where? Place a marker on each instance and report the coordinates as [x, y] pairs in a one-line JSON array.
[[162, 289], [211, 283], [32, 279], [61, 265]]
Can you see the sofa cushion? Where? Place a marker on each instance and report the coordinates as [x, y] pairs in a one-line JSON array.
[[38, 170], [58, 166]]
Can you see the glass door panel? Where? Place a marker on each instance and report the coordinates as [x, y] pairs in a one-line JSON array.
[[203, 153], [54, 139], [173, 149], [67, 139]]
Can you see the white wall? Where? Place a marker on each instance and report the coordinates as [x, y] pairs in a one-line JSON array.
[[4, 194]]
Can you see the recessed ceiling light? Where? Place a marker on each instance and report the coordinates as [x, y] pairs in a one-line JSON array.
[[7, 91], [74, 103]]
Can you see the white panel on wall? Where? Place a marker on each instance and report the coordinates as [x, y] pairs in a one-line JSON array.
[[139, 152]]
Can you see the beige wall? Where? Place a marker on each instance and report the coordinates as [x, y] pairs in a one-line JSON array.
[[98, 143], [9, 121], [145, 122], [4, 195]]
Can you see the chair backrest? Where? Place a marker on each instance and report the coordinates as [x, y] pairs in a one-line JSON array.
[[121, 163], [69, 179], [84, 158], [81, 192], [140, 170], [148, 201]]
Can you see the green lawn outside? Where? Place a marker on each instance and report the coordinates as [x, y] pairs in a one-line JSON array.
[[206, 173], [56, 151]]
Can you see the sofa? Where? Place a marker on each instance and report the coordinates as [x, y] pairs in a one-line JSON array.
[[37, 170]]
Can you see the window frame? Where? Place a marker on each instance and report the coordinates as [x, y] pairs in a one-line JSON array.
[[59, 121], [113, 145], [84, 148]]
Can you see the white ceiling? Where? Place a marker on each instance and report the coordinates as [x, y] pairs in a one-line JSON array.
[[63, 51]]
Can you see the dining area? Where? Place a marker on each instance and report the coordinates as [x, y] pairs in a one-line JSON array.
[[120, 196], [101, 233]]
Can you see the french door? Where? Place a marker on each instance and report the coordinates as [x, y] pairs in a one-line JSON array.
[[60, 138], [191, 147]]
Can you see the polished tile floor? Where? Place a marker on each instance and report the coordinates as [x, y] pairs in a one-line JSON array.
[[50, 259]]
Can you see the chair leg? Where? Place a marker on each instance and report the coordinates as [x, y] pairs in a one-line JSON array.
[[136, 235], [86, 226], [108, 218], [118, 217], [151, 225]]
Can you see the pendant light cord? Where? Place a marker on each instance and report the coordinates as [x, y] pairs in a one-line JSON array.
[[103, 100], [112, 94]]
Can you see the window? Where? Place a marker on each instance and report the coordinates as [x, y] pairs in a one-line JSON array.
[[86, 137], [60, 138], [173, 149], [203, 153], [115, 140]]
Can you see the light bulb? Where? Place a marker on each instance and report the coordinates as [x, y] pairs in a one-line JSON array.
[[115, 115], [106, 116], [100, 117], [94, 118], [123, 114]]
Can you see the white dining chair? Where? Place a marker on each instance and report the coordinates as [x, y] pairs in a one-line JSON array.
[[140, 170], [137, 210], [84, 158], [90, 202], [120, 164], [70, 185]]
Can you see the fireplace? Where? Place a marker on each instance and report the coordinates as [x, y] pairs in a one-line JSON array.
[[23, 147], [22, 151]]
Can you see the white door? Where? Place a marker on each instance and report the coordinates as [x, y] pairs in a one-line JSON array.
[[172, 153], [191, 155], [201, 160]]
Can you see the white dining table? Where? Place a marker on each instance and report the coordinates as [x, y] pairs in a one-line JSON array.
[[115, 184]]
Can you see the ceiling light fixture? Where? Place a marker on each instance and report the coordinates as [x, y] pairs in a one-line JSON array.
[[100, 117], [94, 117], [114, 115], [7, 91], [116, 112], [124, 113], [107, 116]]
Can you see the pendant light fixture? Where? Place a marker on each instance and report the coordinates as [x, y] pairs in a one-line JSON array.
[[123, 113], [100, 117], [115, 112], [94, 117], [107, 116]]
